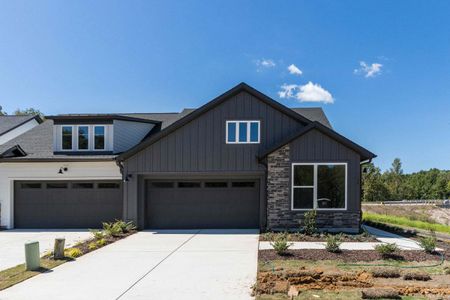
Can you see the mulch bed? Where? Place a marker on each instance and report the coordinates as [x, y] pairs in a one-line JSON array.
[[349, 255], [320, 237]]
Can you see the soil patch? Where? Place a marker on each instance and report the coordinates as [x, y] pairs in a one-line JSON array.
[[348, 255], [319, 237]]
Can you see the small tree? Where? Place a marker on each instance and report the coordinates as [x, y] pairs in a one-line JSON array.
[[309, 222]]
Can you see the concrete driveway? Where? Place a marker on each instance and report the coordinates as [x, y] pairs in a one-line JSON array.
[[189, 264], [12, 242]]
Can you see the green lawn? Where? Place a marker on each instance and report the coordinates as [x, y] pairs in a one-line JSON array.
[[14, 275], [403, 221]]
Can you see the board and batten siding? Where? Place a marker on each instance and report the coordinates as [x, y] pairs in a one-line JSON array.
[[315, 146], [200, 145], [128, 134]]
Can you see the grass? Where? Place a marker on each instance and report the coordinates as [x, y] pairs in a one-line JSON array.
[[14, 275], [338, 265], [326, 295], [403, 221]]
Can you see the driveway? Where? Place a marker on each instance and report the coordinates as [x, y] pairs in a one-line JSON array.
[[12, 252], [186, 264]]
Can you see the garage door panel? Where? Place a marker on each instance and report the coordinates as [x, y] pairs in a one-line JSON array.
[[202, 207], [65, 207]]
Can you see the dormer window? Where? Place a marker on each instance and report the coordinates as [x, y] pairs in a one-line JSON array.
[[99, 137], [66, 137], [83, 137], [243, 132]]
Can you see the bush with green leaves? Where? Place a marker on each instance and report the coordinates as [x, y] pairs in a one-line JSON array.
[[281, 246], [92, 246], [101, 243], [309, 222], [112, 229], [73, 252], [428, 243], [97, 234], [386, 249], [333, 243], [125, 226]]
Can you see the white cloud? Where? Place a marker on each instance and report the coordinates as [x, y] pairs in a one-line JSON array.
[[371, 70], [294, 70], [265, 63], [310, 92]]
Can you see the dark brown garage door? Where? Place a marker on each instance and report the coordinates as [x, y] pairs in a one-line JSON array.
[[64, 204], [188, 204]]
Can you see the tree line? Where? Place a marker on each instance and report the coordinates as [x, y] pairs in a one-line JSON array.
[[393, 184]]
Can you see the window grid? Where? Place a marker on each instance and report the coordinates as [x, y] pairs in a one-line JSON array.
[[237, 126]]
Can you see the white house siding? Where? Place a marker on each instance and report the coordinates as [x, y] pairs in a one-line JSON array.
[[47, 171], [18, 131]]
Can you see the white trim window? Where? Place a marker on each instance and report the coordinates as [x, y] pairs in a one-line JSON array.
[[99, 138], [66, 137], [83, 137], [243, 132], [321, 186]]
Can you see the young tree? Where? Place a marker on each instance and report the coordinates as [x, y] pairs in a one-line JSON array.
[[28, 112], [394, 180], [373, 187], [2, 113]]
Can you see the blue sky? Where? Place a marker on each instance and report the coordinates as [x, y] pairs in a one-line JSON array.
[[385, 65]]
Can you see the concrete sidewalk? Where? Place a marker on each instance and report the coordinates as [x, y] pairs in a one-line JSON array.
[[200, 264], [381, 235]]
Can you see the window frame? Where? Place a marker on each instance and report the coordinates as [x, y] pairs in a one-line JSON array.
[[248, 140], [88, 137], [94, 135], [315, 187], [71, 137]]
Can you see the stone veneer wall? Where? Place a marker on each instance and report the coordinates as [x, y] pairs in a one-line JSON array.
[[279, 213]]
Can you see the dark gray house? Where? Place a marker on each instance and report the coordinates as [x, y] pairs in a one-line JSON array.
[[242, 160]]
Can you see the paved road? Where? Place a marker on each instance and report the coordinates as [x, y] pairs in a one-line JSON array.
[[12, 243], [200, 264]]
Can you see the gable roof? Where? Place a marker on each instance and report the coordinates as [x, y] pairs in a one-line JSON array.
[[242, 87], [8, 123], [364, 153]]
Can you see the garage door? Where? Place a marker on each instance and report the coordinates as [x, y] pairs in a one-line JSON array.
[[183, 204], [64, 204]]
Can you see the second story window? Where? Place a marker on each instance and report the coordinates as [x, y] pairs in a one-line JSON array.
[[83, 137], [242, 132], [66, 137], [99, 137]]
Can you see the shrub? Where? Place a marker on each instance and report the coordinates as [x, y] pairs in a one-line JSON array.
[[417, 276], [73, 252], [97, 234], [92, 246], [380, 294], [125, 226], [447, 270], [385, 273], [281, 246], [112, 229], [333, 243], [309, 222], [428, 243], [101, 242], [386, 249]]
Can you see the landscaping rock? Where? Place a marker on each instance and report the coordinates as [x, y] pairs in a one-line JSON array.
[[293, 291], [385, 273]]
